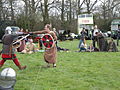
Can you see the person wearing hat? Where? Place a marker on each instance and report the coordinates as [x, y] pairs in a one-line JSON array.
[[8, 51]]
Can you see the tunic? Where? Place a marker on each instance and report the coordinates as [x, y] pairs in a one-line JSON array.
[[51, 54]]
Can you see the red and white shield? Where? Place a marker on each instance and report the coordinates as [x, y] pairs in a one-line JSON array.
[[47, 41]]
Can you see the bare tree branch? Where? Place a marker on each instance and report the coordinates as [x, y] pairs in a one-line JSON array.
[[81, 3], [51, 3], [113, 6], [93, 5]]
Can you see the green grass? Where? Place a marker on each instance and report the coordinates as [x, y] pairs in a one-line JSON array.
[[74, 71]]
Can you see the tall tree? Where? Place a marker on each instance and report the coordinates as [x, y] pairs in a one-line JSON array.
[[26, 7], [62, 12], [45, 12], [11, 2], [45, 7]]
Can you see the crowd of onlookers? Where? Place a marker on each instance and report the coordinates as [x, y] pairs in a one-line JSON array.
[[98, 42]]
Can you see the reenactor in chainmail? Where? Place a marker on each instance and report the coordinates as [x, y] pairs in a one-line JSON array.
[[8, 51]]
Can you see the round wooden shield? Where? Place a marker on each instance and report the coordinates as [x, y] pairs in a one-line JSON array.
[[47, 41]]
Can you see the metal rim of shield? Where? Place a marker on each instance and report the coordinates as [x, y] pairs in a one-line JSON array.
[[47, 41]]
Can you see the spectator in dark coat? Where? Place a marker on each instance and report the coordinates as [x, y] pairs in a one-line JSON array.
[[82, 38], [102, 42]]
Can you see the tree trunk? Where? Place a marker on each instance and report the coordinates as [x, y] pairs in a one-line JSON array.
[[0, 10], [62, 14], [70, 15], [12, 10], [45, 13], [26, 7], [88, 6], [33, 7]]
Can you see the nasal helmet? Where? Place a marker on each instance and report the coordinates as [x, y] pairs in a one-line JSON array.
[[7, 78]]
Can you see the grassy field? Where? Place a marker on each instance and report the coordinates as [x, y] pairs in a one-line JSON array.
[[74, 71]]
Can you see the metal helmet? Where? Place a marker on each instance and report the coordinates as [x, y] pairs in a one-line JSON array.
[[7, 78], [8, 30]]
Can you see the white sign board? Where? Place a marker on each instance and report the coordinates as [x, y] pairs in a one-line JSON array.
[[85, 19], [114, 27]]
